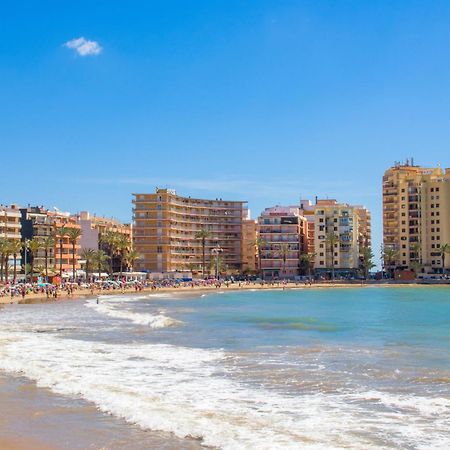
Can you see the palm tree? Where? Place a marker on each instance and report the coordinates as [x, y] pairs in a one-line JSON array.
[[284, 253], [259, 244], [61, 233], [367, 260], [16, 247], [74, 235], [305, 262], [389, 255], [110, 239], [47, 244], [332, 239], [3, 246], [445, 248], [130, 257], [122, 245], [100, 259], [33, 246], [6, 252], [203, 234], [88, 255]]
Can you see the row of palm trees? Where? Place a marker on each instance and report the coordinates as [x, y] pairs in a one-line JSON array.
[[8, 248], [116, 244], [390, 255]]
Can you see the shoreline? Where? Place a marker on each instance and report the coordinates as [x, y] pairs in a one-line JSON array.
[[31, 418], [87, 293]]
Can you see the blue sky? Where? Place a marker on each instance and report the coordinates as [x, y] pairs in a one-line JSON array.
[[259, 100]]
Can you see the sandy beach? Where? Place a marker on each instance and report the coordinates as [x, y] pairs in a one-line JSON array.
[[86, 293]]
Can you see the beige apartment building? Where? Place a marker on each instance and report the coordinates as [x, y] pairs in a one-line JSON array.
[[416, 216], [284, 234], [249, 248], [166, 227], [351, 227]]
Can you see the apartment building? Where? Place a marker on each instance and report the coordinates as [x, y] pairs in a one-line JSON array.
[[307, 210], [249, 248], [10, 228], [341, 232], [284, 235], [95, 227], [166, 227], [416, 216], [40, 223]]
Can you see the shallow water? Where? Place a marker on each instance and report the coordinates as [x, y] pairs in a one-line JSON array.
[[314, 369]]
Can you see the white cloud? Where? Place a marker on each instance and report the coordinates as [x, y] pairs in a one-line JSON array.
[[84, 47]]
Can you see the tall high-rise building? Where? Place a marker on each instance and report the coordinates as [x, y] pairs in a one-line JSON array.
[[167, 226], [284, 235], [341, 232], [416, 217]]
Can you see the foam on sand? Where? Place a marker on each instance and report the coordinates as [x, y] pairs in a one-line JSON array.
[[188, 391]]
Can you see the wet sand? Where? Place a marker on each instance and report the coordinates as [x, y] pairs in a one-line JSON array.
[[33, 418]]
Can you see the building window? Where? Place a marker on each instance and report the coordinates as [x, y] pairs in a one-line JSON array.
[[159, 249]]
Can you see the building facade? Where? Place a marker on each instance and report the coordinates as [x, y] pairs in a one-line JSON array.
[[416, 217], [167, 226], [94, 228], [39, 223], [284, 235], [341, 232]]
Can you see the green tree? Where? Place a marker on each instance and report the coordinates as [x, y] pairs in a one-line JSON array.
[[109, 240], [305, 262], [444, 249], [100, 261], [16, 247], [33, 247], [367, 260], [61, 233], [3, 248], [48, 244], [130, 257], [389, 256], [283, 251], [122, 244], [6, 251], [74, 235], [203, 235], [331, 240], [88, 255]]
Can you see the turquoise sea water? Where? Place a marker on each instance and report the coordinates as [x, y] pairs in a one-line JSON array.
[[308, 368]]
